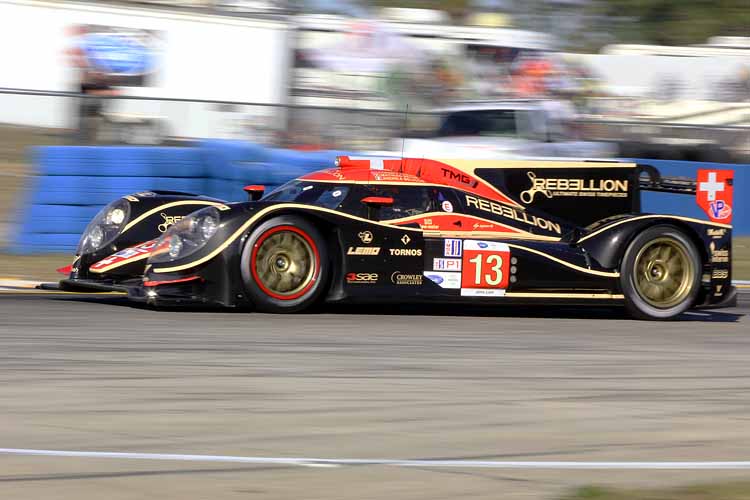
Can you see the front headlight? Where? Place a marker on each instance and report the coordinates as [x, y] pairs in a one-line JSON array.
[[104, 227], [186, 236]]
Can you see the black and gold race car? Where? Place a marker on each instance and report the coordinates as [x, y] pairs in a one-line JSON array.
[[406, 229]]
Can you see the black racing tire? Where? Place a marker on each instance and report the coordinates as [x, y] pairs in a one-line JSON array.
[[285, 265], [660, 274]]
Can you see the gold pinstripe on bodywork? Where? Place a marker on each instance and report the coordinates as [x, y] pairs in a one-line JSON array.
[[520, 234], [606, 274], [556, 295], [165, 206], [270, 209], [260, 214], [469, 166], [487, 235], [653, 216]]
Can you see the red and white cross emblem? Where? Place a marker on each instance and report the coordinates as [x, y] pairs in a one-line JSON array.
[[711, 187]]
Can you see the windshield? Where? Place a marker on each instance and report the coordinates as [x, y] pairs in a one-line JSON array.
[[483, 123], [310, 193]]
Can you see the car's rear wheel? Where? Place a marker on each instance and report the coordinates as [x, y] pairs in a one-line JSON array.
[[284, 265], [660, 274]]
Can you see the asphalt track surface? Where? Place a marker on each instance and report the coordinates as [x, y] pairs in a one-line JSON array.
[[81, 372]]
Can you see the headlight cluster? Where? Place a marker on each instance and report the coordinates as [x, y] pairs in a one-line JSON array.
[[104, 227], [187, 236]]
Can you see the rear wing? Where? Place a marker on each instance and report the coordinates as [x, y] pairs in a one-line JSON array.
[[713, 189], [651, 180]]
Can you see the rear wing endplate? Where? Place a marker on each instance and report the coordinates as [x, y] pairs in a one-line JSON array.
[[713, 189]]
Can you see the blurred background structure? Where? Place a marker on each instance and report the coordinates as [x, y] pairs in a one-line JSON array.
[[340, 73], [655, 79]]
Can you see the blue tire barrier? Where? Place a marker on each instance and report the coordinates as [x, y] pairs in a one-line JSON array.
[[35, 243], [119, 161], [59, 219], [79, 190], [74, 182]]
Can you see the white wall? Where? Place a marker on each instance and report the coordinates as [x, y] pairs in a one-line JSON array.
[[637, 75], [205, 57]]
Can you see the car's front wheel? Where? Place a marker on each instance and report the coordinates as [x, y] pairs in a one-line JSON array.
[[660, 274], [284, 265]]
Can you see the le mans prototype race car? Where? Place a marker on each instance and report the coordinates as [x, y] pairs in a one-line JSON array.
[[408, 230]]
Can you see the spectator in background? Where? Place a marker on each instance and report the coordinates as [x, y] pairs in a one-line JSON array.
[[744, 83], [94, 85]]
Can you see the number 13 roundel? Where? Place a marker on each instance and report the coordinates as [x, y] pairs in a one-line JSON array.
[[486, 268]]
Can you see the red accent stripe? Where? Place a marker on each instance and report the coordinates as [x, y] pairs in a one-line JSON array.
[[449, 222], [169, 282], [254, 271], [66, 269]]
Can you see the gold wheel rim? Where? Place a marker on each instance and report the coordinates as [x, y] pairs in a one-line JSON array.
[[663, 273], [285, 263]]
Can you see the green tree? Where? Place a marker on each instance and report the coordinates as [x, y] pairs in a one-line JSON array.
[[678, 22]]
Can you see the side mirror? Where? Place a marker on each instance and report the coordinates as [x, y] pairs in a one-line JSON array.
[[254, 193], [378, 201], [374, 203]]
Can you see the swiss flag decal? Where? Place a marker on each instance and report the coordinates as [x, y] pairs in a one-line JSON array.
[[713, 194]]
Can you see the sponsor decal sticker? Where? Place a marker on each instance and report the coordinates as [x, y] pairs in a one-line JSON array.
[[458, 177], [441, 264], [399, 278], [720, 210], [486, 268], [452, 248], [406, 252], [714, 194], [720, 274], [364, 278], [717, 255], [365, 237], [716, 233], [444, 279], [607, 188], [363, 251], [405, 239], [447, 206], [168, 221], [512, 213]]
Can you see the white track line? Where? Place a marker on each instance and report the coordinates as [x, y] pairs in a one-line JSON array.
[[334, 462]]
